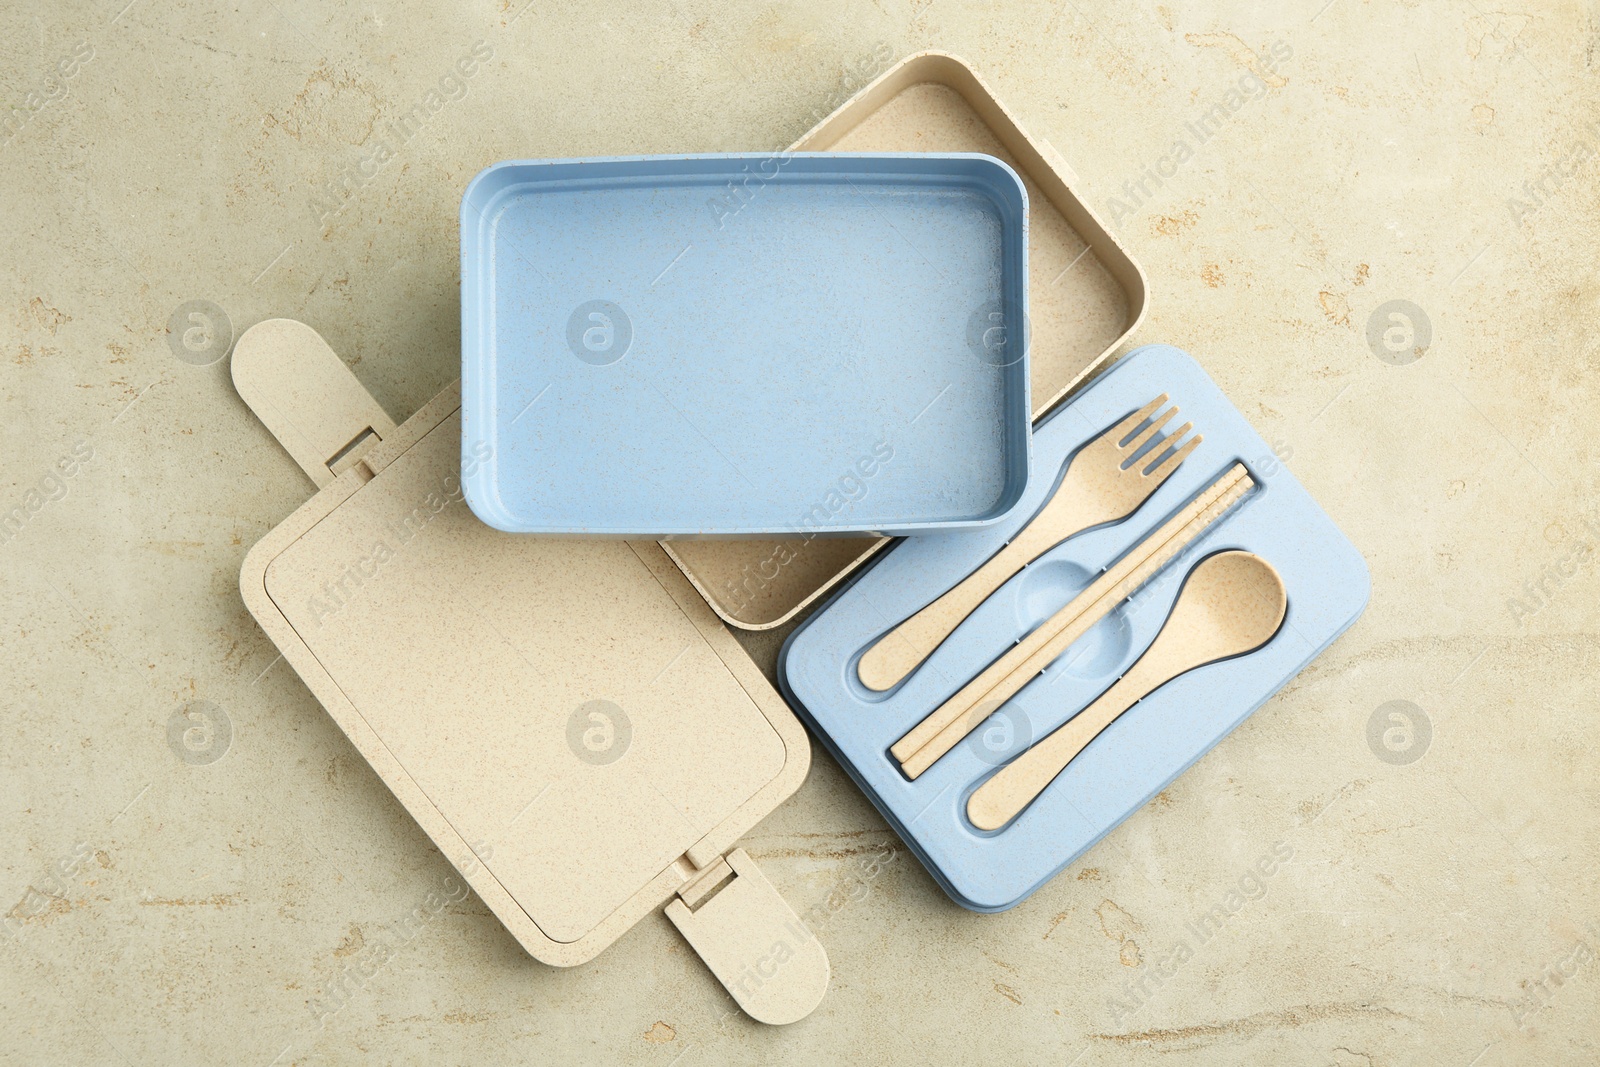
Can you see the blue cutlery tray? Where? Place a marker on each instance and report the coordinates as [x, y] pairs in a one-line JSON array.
[[1155, 740], [744, 345]]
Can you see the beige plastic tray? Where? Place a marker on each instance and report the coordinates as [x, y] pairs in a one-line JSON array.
[[1086, 295], [567, 720]]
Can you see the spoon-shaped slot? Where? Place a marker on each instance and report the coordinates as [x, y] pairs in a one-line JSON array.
[[1231, 603]]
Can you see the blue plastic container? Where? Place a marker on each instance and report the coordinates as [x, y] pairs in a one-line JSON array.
[[745, 345], [1154, 741]]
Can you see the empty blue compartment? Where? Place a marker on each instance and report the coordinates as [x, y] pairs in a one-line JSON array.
[[745, 345]]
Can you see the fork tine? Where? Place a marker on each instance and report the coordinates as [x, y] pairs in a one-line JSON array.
[[1170, 464], [1125, 427], [1159, 450], [1132, 447]]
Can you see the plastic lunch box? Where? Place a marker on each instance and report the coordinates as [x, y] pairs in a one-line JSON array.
[[599, 751], [699, 346], [1154, 741]]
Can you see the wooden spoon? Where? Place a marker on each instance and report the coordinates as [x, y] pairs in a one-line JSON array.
[[1231, 603]]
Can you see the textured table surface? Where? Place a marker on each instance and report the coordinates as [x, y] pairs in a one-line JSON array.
[[1433, 896]]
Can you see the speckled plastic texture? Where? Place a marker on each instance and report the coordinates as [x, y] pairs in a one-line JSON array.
[[739, 345], [1150, 745]]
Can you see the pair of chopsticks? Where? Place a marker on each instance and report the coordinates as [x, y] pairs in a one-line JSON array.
[[978, 699]]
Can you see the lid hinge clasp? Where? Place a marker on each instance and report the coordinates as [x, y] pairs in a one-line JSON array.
[[754, 943], [305, 395]]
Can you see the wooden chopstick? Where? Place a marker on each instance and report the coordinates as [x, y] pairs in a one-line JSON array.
[[961, 714]]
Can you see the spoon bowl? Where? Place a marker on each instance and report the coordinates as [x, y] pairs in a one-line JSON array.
[[1231, 603]]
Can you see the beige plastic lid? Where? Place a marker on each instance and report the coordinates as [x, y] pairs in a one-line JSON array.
[[566, 719]]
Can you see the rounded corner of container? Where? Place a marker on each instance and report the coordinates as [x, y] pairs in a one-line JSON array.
[[1138, 295], [1017, 495], [760, 627], [1003, 510], [478, 180], [987, 909], [253, 574], [993, 896], [1360, 580], [1155, 350], [996, 163], [486, 505], [1164, 358], [781, 667], [929, 57], [1003, 179]]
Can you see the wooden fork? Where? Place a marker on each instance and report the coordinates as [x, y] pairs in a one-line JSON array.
[[1102, 483]]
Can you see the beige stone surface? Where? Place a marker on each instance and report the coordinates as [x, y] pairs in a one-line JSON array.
[[163, 909]]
